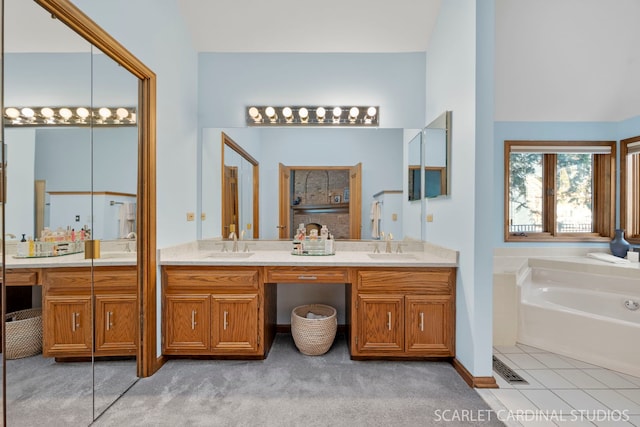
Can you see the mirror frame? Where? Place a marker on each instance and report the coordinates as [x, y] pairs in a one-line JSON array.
[[76, 20], [228, 142], [443, 121]]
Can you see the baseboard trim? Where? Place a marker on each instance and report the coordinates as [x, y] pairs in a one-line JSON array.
[[473, 382]]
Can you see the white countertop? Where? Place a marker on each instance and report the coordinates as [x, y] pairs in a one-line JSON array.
[[278, 253], [113, 253]]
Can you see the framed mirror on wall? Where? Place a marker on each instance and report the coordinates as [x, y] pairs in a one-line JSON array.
[[437, 156], [85, 175]]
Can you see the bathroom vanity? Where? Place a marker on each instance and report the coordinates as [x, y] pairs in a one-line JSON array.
[[220, 304], [67, 283]]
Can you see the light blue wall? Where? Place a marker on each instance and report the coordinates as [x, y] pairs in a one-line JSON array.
[[229, 82], [155, 33], [451, 84], [63, 159]]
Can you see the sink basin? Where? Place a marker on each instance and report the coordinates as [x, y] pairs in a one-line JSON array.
[[107, 255], [392, 256], [227, 255]]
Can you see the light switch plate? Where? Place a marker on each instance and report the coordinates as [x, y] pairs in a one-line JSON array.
[[191, 216], [203, 216], [429, 217]]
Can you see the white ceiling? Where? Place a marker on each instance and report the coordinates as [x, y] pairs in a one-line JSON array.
[[306, 26], [556, 60]]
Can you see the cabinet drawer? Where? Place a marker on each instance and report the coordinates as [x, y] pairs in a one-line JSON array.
[[80, 278], [307, 275], [21, 278], [431, 281], [211, 277]]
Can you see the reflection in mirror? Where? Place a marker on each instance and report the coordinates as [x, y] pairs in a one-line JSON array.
[[114, 183], [70, 179], [415, 165], [437, 156], [630, 188], [239, 207], [34, 75]]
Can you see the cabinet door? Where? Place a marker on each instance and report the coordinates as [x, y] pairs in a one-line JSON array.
[[67, 326], [380, 323], [116, 326], [235, 323], [429, 325], [186, 323]]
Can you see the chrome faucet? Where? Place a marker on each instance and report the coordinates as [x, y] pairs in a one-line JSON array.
[[234, 236], [387, 247]]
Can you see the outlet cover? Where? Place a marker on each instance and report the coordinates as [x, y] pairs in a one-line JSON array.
[[203, 216], [191, 216], [429, 217], [394, 217]]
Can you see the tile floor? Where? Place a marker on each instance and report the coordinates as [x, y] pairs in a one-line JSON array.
[[562, 391]]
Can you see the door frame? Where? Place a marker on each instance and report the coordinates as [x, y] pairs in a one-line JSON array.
[[76, 20], [355, 197]]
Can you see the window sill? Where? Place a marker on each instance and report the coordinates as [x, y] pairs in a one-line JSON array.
[[546, 237]]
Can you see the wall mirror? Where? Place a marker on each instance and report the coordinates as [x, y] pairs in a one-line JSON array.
[[437, 156], [414, 155], [380, 151], [630, 188], [240, 191], [78, 177]]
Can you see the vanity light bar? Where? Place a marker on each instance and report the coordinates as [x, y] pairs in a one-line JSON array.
[[69, 116], [312, 116]]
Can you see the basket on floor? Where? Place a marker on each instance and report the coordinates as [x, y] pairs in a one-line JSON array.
[[23, 333], [313, 337]]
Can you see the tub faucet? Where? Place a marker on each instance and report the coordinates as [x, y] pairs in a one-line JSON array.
[[234, 236]]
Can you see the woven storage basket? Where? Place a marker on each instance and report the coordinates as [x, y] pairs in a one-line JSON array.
[[24, 333], [313, 337]]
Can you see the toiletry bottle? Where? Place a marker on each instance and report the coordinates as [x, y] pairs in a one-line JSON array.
[[32, 247], [324, 232], [73, 235]]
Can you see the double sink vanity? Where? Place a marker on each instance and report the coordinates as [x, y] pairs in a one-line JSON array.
[[220, 303]]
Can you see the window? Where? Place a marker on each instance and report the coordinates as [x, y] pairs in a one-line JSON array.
[[630, 188], [559, 190]]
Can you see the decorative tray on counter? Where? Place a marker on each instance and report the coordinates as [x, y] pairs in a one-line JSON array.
[[52, 249], [320, 247]]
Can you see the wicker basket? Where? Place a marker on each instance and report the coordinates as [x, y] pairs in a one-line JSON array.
[[24, 333], [313, 337]]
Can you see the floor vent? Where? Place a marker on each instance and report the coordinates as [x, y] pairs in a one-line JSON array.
[[506, 372]]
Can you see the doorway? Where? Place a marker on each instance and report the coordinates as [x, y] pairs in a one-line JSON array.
[[324, 195]]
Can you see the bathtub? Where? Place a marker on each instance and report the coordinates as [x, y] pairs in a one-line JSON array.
[[582, 315]]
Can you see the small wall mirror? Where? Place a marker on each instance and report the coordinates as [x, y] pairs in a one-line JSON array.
[[434, 169]]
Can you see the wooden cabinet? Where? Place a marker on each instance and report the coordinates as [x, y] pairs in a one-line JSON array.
[[187, 323], [67, 326], [404, 313], [68, 317], [214, 311]]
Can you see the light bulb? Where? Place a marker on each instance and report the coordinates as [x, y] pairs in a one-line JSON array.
[[12, 113], [82, 112], [121, 113], [304, 114], [287, 113], [27, 112], [371, 111], [270, 112], [254, 113], [320, 113], [104, 112], [65, 113], [337, 112], [353, 113], [46, 112]]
